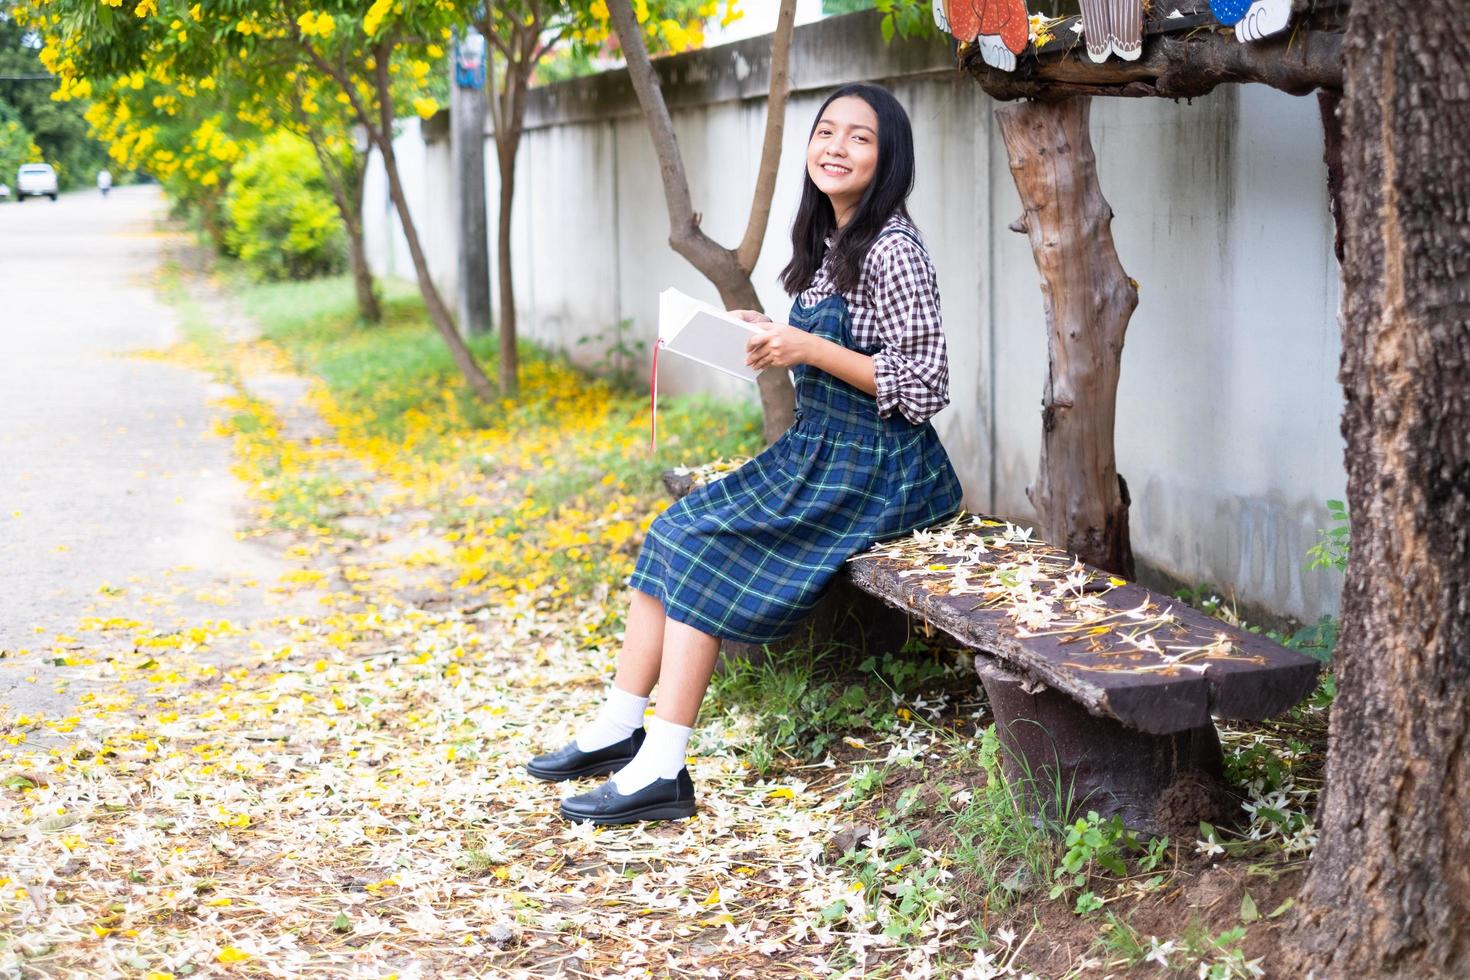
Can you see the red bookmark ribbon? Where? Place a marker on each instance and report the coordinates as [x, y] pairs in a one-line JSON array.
[[653, 401]]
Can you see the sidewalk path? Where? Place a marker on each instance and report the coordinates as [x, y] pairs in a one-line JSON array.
[[110, 475]]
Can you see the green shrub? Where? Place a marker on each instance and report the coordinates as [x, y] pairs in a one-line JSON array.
[[280, 219], [16, 148]]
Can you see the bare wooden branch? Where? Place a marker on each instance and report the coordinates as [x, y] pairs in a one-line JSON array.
[[1177, 63], [720, 265]]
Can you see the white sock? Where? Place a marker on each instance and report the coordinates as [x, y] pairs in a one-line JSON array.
[[661, 757], [621, 716]]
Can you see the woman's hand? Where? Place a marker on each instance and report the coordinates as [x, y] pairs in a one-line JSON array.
[[778, 346], [751, 316]]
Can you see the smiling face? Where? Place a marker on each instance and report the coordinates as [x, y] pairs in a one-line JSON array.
[[843, 153]]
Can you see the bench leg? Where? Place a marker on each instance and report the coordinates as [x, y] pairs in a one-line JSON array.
[[1066, 761]]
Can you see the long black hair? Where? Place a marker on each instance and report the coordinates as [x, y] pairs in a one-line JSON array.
[[893, 180]]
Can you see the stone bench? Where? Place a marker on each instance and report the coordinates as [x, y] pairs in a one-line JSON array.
[[1101, 688]]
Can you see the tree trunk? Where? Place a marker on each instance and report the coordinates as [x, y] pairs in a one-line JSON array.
[[345, 182], [728, 269], [438, 313], [368, 308], [507, 145], [1388, 891], [1080, 498]]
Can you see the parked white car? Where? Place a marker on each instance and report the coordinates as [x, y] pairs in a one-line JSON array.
[[35, 180]]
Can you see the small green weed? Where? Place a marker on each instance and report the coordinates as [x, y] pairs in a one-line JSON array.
[[623, 359], [1094, 845], [1331, 549], [894, 866], [1219, 957]]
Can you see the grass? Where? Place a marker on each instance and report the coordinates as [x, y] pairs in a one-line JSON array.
[[391, 374], [799, 701], [1004, 854]]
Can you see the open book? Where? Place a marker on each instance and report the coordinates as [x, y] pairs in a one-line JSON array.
[[694, 329]]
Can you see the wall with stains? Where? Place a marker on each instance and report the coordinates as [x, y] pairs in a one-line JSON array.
[[1227, 429]]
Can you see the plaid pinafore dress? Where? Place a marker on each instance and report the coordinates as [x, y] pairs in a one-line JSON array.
[[748, 556]]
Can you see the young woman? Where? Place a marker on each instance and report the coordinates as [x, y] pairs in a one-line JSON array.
[[746, 557]]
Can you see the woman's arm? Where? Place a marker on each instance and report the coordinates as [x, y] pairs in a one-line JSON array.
[[780, 345]]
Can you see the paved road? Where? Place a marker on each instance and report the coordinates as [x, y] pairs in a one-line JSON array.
[[107, 471]]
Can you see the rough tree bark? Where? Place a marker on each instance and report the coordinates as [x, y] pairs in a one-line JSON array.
[[728, 269], [1078, 494], [1388, 891]]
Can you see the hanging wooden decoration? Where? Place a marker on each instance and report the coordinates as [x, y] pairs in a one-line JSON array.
[[1000, 28], [1113, 27], [1252, 20]]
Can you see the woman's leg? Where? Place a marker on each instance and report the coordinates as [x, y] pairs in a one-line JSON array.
[[689, 658], [622, 712], [643, 644], [688, 662]]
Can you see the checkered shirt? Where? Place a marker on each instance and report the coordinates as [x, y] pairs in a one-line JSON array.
[[895, 307]]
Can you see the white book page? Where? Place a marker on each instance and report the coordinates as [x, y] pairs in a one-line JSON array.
[[696, 330]]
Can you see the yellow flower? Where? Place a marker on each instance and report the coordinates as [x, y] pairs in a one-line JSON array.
[[374, 18], [315, 24], [425, 107]]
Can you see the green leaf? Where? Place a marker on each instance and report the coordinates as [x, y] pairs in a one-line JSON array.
[[887, 27], [908, 21], [1281, 909], [1248, 912], [1088, 902], [341, 923]]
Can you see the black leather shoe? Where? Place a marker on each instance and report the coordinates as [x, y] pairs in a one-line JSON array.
[[572, 763], [662, 799]]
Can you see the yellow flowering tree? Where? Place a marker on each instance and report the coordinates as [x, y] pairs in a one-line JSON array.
[[179, 130], [372, 64]]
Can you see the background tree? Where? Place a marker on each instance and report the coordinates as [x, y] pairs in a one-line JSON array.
[[290, 97], [179, 131], [16, 147], [58, 129], [1388, 891], [371, 63], [522, 34], [728, 269]]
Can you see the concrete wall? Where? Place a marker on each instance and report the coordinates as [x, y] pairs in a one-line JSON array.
[[1228, 407]]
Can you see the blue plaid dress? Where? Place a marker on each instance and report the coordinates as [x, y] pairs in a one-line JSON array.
[[747, 557]]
